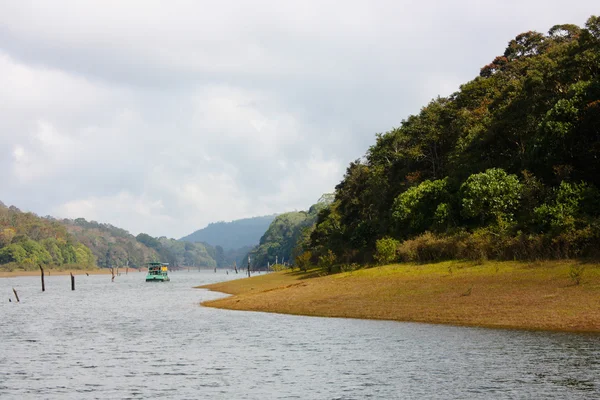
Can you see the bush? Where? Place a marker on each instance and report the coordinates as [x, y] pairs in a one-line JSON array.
[[303, 260], [386, 250], [429, 248], [278, 267], [576, 273], [326, 261]]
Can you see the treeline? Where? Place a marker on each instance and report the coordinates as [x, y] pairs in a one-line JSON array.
[[27, 241], [508, 167], [183, 254]]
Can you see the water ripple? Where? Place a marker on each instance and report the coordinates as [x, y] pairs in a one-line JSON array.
[[135, 341]]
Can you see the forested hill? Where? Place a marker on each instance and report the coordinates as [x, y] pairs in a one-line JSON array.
[[112, 246], [287, 235], [232, 235], [508, 167], [27, 241]]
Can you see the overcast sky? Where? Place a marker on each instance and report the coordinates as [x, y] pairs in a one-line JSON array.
[[163, 116]]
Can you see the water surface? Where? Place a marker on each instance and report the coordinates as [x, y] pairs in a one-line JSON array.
[[137, 340]]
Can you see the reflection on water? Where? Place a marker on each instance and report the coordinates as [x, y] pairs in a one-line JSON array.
[[138, 340]]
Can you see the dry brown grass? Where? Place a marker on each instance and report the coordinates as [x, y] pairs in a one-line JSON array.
[[496, 294]]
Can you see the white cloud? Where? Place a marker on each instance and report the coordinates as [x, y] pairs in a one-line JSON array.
[[161, 117]]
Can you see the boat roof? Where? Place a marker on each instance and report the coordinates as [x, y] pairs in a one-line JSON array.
[[157, 263]]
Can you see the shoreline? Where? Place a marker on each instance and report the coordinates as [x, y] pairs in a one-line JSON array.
[[499, 295], [55, 272]]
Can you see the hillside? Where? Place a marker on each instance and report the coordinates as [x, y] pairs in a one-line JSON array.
[[110, 245], [287, 234], [27, 241], [506, 168], [232, 235]]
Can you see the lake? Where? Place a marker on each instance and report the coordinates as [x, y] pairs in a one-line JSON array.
[[136, 340]]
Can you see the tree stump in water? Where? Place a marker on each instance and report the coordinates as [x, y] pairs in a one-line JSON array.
[[43, 283]]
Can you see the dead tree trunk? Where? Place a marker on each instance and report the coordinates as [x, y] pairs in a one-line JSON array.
[[112, 271], [43, 283], [72, 281], [16, 295]]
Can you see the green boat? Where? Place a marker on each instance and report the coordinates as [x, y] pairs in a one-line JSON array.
[[157, 272]]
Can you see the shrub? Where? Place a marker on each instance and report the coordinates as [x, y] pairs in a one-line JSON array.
[[326, 261], [385, 252], [429, 247], [576, 273], [303, 260]]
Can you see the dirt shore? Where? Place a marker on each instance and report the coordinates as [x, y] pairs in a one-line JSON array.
[[539, 296]]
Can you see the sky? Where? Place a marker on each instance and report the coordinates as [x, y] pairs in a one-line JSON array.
[[163, 116]]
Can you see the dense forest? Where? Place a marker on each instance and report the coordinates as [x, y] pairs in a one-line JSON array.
[[506, 168], [232, 235], [27, 241]]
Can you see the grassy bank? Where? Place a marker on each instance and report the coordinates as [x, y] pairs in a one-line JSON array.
[[496, 294]]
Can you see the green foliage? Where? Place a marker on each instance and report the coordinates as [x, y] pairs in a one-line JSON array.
[[27, 241], [452, 168], [569, 207], [490, 195], [423, 206], [385, 252], [303, 261], [576, 273], [278, 267], [185, 254], [326, 261], [288, 235]]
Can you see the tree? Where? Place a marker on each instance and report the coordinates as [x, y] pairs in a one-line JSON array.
[[386, 250], [326, 261], [423, 206], [303, 260], [490, 195]]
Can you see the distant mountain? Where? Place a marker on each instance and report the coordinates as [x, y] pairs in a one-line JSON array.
[[234, 234]]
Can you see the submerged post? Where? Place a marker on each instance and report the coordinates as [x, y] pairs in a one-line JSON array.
[[43, 284], [112, 271], [72, 281], [16, 295]]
